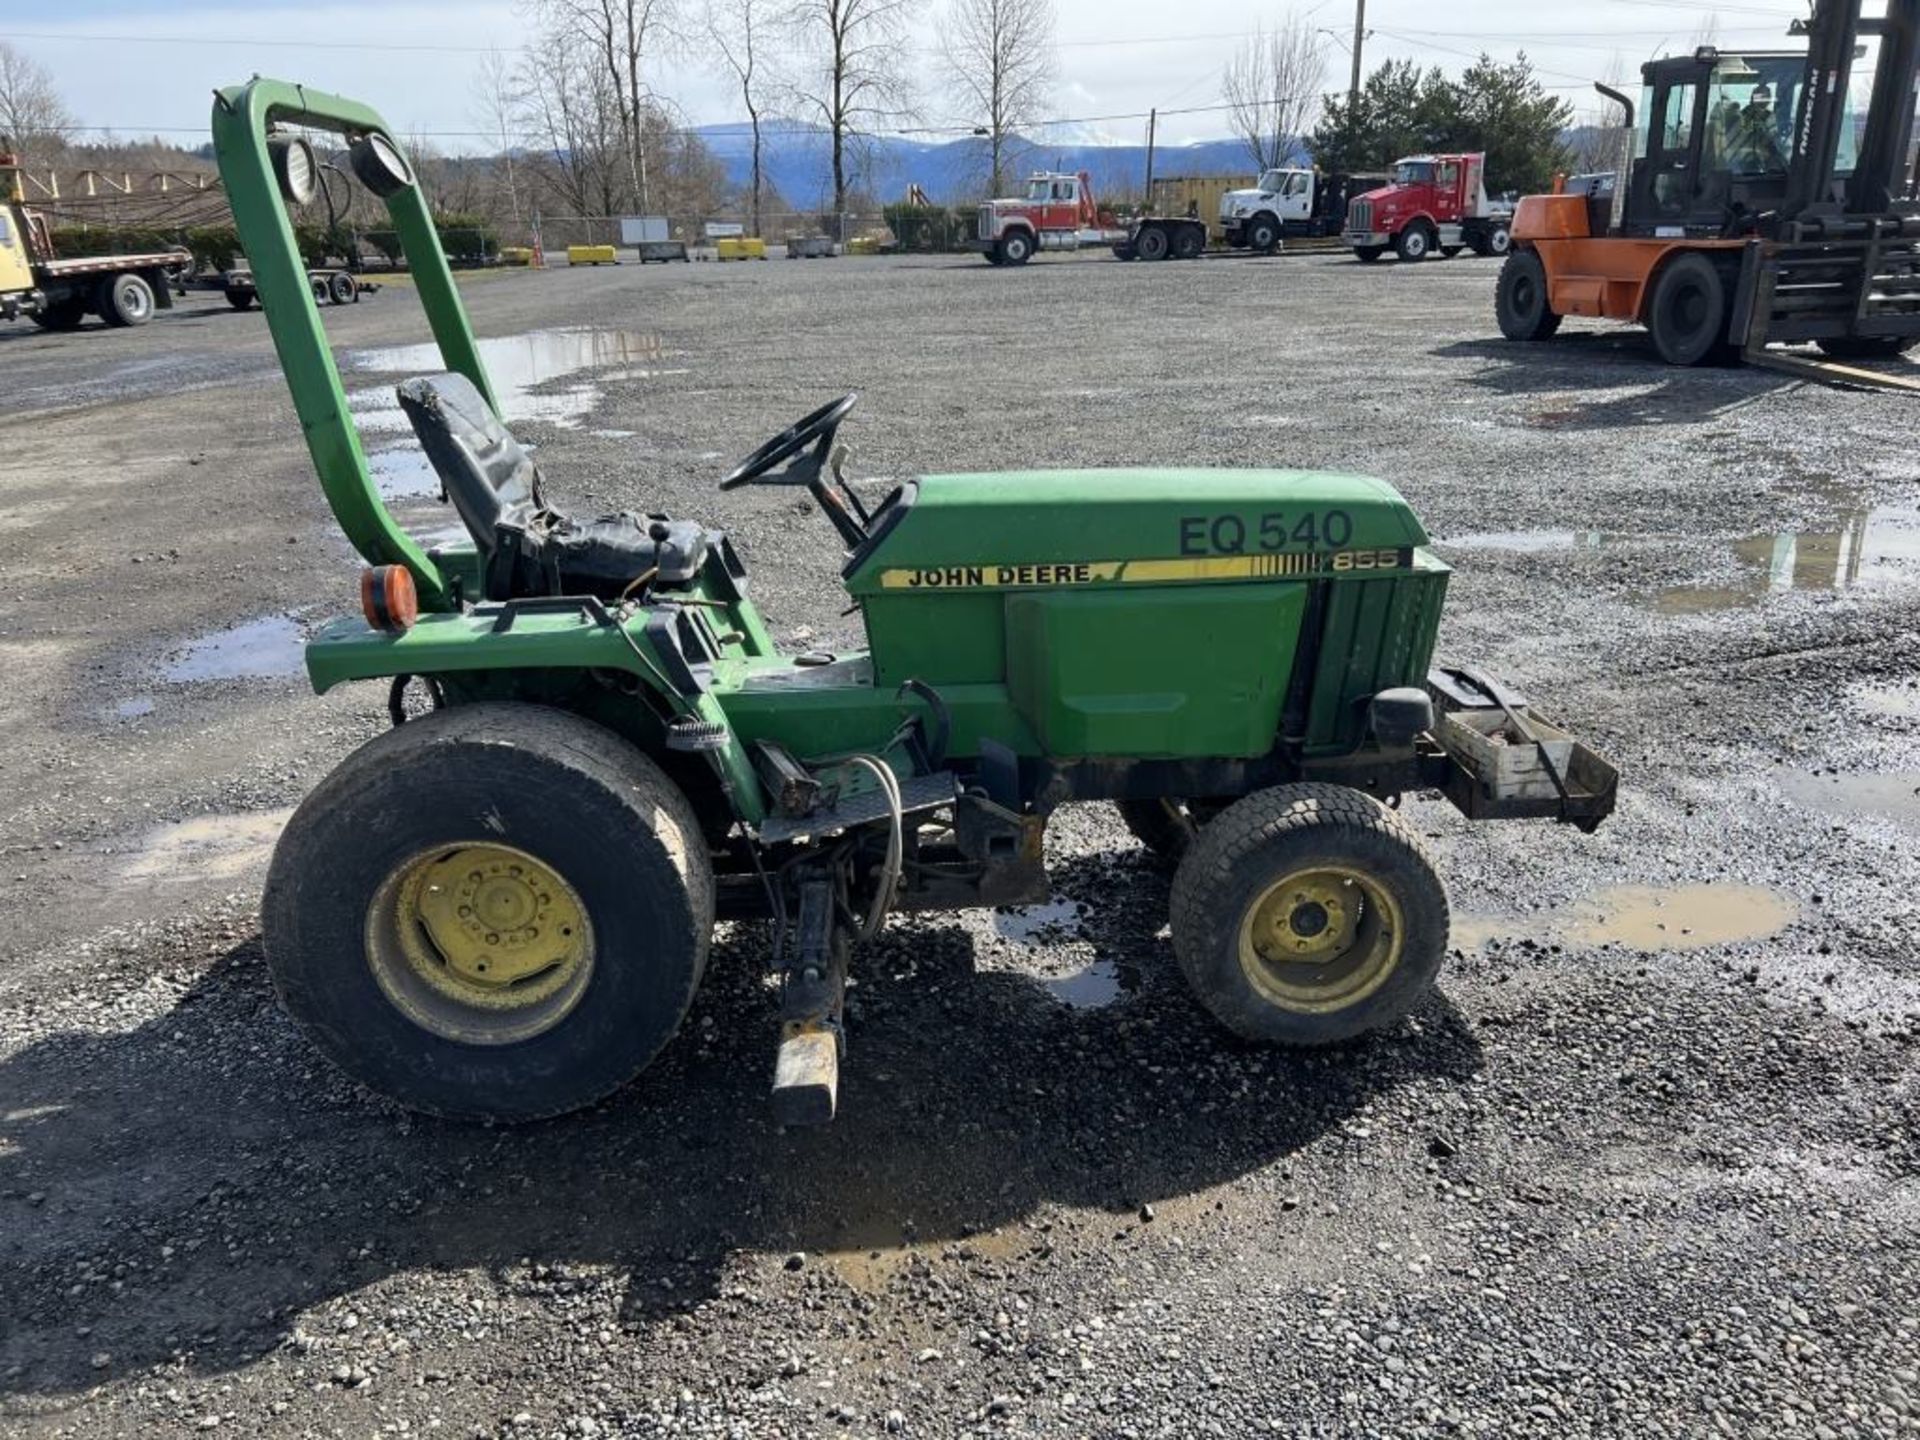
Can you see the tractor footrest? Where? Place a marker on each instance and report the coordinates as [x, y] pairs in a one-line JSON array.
[[922, 792]]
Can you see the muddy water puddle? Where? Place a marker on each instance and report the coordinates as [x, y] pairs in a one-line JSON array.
[[1871, 548], [1652, 918], [1060, 921], [264, 649], [871, 1266], [519, 366], [208, 847], [1862, 795]]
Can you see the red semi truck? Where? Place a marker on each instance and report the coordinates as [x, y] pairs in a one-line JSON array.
[[1434, 202], [1059, 212]]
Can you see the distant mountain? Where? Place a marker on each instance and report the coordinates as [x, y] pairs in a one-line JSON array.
[[798, 161]]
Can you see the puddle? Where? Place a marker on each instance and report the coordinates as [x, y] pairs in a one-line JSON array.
[[208, 847], [403, 471], [258, 650], [1872, 547], [1524, 541], [1088, 989], [133, 707], [1058, 919], [870, 1268], [1894, 702], [1893, 796], [517, 365], [1676, 917]]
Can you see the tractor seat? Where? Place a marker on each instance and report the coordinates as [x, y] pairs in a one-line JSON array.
[[526, 547]]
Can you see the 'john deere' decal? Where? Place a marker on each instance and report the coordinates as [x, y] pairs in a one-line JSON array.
[[1160, 572]]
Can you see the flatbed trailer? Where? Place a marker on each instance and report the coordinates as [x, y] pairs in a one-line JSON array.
[[59, 294]]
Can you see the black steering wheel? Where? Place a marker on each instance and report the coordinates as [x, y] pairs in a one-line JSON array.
[[819, 426]]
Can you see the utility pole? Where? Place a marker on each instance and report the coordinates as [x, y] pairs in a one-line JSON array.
[[1153, 116], [1359, 39]]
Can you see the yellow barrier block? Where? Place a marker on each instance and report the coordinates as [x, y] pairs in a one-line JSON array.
[[740, 247], [516, 255], [592, 255], [863, 245]]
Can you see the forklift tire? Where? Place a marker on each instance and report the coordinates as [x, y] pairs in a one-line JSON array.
[[65, 315], [125, 300], [1367, 254], [1687, 312], [1261, 234], [1867, 347], [1520, 298], [240, 299], [450, 844], [1015, 247], [1413, 243], [1151, 243], [1307, 915]]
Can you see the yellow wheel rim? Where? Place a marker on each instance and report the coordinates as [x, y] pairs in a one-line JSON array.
[[1321, 939], [480, 943]]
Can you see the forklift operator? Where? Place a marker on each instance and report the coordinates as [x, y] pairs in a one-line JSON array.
[[1751, 140]]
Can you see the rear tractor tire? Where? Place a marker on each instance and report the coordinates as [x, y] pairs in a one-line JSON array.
[[1520, 298], [1307, 915], [494, 912], [1687, 311]]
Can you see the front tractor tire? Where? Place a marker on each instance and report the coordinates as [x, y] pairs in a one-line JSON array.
[[1520, 298], [1015, 248], [1413, 243], [1687, 311], [492, 912], [1307, 915]]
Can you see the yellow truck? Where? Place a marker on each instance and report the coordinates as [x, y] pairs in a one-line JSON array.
[[59, 294]]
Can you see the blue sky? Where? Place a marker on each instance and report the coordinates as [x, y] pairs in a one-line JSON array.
[[138, 65]]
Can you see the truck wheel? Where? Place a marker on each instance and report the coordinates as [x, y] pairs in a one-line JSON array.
[[342, 288], [1687, 312], [125, 300], [1367, 254], [1151, 243], [1447, 252], [1262, 234], [240, 299], [1499, 240], [67, 314], [1015, 247], [1867, 347], [1308, 914], [492, 912], [1413, 243], [1520, 298], [993, 256], [1188, 242]]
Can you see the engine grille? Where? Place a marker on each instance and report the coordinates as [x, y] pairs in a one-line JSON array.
[[1360, 215], [985, 222]]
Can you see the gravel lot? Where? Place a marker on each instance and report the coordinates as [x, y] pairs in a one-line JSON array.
[[1647, 1164]]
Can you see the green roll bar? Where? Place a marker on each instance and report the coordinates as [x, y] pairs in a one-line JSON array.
[[242, 118]]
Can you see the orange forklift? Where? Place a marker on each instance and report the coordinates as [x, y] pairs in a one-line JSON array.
[[1761, 204]]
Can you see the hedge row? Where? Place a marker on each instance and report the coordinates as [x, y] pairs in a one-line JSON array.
[[464, 237]]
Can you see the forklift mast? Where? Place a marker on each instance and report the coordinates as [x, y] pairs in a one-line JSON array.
[[1878, 178]]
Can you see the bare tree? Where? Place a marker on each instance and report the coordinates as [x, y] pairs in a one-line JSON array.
[[1272, 87], [857, 73], [623, 34], [737, 29], [32, 114], [999, 58], [570, 108], [502, 101]]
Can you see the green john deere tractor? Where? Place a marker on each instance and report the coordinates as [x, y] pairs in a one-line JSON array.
[[502, 906]]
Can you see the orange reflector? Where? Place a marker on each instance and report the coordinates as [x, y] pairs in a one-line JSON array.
[[388, 599]]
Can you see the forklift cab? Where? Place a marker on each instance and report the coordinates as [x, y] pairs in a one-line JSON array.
[[1714, 145]]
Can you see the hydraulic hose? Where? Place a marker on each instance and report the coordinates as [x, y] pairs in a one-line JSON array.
[[896, 844]]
